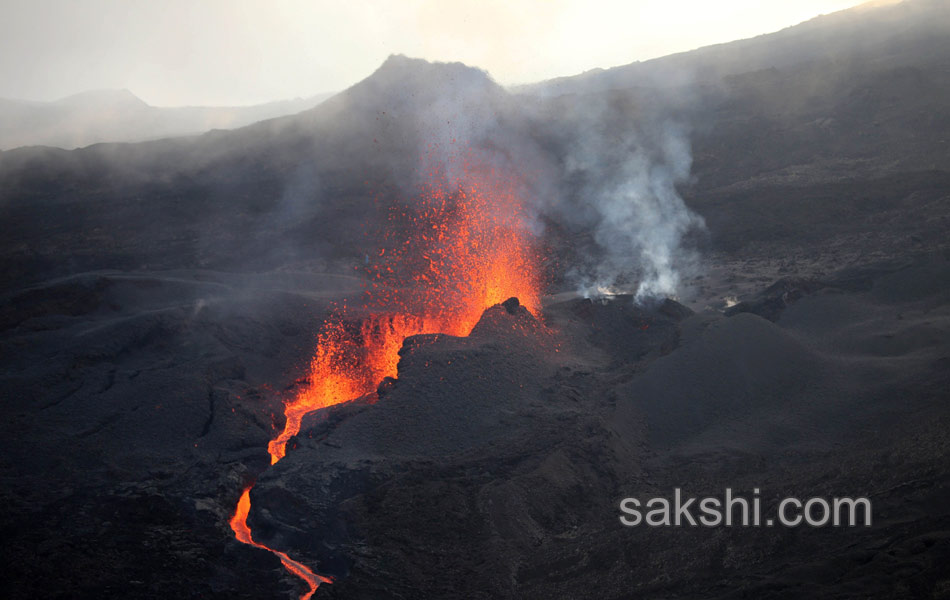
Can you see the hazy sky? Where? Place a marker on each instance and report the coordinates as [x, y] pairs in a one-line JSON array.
[[176, 52]]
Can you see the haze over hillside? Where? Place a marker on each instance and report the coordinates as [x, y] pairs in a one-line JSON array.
[[874, 35], [769, 133], [119, 116]]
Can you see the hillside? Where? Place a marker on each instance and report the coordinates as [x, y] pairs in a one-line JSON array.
[[872, 35], [119, 116]]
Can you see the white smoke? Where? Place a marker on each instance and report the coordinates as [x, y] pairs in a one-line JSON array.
[[629, 183], [603, 163]]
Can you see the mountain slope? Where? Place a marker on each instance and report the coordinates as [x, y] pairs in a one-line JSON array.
[[295, 186], [119, 116], [870, 35]]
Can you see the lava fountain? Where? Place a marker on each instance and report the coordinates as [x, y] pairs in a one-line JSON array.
[[459, 248]]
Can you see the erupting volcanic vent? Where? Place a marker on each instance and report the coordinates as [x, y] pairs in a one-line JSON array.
[[459, 249]]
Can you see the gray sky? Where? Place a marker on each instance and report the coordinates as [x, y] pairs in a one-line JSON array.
[[235, 52]]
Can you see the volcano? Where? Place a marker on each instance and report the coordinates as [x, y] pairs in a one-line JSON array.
[[342, 353], [459, 250]]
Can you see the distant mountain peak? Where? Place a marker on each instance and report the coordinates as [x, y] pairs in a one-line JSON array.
[[400, 61], [402, 65], [402, 80]]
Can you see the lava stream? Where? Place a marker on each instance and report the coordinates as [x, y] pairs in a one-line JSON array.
[[459, 249], [243, 534]]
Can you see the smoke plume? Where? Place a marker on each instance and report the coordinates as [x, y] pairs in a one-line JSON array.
[[625, 180]]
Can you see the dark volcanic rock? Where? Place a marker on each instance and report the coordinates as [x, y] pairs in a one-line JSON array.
[[449, 455], [616, 326], [770, 303], [674, 310], [493, 465], [502, 319]]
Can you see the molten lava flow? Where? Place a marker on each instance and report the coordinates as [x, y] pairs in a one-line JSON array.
[[458, 249], [243, 534]]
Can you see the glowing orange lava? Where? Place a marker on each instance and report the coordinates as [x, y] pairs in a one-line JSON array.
[[243, 534], [459, 248], [447, 257]]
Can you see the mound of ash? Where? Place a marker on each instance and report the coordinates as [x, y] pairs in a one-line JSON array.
[[770, 302], [618, 329]]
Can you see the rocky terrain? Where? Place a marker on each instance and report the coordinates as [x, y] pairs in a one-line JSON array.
[[160, 300]]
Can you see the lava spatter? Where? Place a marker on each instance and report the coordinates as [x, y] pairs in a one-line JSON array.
[[459, 248]]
